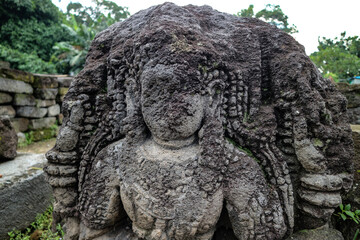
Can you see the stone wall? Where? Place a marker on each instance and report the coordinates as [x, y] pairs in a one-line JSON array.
[[32, 101], [352, 94]]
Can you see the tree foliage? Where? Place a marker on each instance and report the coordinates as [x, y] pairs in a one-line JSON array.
[[26, 62], [339, 57], [37, 37], [99, 17], [271, 14], [83, 23], [31, 26]]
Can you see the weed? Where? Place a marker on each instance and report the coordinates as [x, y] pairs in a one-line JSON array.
[[346, 214], [40, 227]]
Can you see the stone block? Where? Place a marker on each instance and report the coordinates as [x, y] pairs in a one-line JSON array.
[[20, 124], [45, 81], [21, 99], [64, 81], [8, 140], [44, 103], [54, 110], [356, 158], [354, 115], [4, 64], [15, 86], [46, 94], [5, 98], [42, 123], [315, 234], [17, 75], [24, 192], [7, 110], [63, 91], [31, 112]]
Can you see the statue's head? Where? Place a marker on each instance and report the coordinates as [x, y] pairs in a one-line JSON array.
[[171, 101]]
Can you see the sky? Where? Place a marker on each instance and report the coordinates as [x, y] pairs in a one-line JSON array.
[[313, 18]]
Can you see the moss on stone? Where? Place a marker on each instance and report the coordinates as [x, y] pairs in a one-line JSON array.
[[318, 143], [17, 75]]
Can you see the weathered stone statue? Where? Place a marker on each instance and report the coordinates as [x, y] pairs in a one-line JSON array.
[[188, 123]]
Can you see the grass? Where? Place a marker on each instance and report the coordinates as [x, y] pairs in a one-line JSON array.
[[39, 229]]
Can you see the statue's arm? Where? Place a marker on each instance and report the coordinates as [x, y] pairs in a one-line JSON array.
[[100, 201], [253, 204], [64, 158]]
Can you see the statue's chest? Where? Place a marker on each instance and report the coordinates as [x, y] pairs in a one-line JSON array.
[[167, 191], [160, 188]]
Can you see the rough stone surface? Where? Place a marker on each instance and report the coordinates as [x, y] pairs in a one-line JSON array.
[[5, 98], [354, 115], [46, 94], [24, 100], [15, 86], [8, 140], [349, 227], [42, 123], [20, 124], [352, 94], [54, 110], [60, 118], [194, 123], [7, 110], [44, 103], [24, 192], [328, 234], [31, 112]]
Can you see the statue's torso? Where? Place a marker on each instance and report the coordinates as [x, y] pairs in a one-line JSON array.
[[163, 197]]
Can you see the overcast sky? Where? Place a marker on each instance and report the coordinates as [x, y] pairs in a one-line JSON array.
[[313, 18]]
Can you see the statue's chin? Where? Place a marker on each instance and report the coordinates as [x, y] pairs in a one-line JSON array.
[[175, 143]]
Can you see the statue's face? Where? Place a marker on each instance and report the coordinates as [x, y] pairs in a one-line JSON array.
[[171, 109]]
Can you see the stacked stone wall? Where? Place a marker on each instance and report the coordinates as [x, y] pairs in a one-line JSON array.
[[352, 94], [32, 101]]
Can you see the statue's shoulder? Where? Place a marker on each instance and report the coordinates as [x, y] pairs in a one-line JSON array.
[[111, 151]]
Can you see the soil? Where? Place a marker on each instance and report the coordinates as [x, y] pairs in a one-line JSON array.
[[38, 147]]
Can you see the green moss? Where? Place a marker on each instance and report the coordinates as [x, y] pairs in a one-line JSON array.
[[317, 142], [243, 149], [41, 134], [202, 68], [180, 45], [246, 117], [17, 75]]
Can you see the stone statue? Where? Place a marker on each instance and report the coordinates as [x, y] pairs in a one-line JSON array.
[[188, 123]]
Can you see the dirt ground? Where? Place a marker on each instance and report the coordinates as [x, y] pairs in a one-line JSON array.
[[38, 147]]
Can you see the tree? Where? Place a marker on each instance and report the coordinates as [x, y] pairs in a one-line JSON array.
[[83, 23], [104, 14], [36, 36], [271, 14], [30, 28], [339, 57]]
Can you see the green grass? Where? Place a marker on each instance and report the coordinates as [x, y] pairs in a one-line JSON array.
[[40, 227]]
